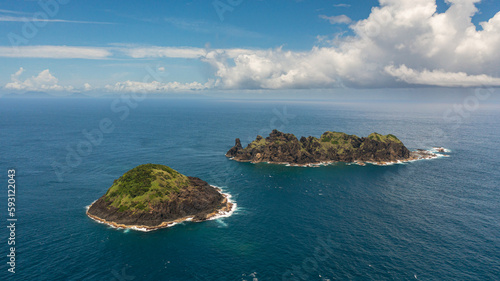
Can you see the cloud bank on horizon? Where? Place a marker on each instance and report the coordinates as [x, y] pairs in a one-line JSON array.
[[403, 43]]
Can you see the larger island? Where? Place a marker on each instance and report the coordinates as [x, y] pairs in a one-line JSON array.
[[153, 196], [282, 148]]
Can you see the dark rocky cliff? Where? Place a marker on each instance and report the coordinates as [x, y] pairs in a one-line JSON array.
[[151, 194], [279, 147]]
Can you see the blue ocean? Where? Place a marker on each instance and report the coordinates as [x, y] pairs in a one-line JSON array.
[[433, 219]]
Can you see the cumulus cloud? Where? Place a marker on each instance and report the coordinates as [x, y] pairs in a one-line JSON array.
[[87, 87], [399, 32], [44, 81], [271, 69], [401, 42]]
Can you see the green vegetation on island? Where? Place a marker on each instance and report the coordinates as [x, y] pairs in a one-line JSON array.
[[280, 147], [144, 185], [153, 196]]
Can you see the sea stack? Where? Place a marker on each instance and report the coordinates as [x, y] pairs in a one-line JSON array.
[[153, 196]]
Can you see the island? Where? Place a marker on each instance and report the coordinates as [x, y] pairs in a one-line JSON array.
[[153, 196], [282, 148]]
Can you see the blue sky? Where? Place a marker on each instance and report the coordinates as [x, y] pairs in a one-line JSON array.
[[200, 45]]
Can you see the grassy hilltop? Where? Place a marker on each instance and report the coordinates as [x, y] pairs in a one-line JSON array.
[[154, 195], [144, 185]]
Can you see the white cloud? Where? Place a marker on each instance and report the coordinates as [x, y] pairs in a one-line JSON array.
[[87, 87], [342, 5], [342, 19], [55, 52], [399, 32], [441, 78], [6, 18], [157, 87], [44, 81], [12, 12], [181, 52], [163, 52], [402, 41], [271, 69]]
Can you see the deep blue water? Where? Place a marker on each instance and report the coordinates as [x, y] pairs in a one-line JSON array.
[[427, 220]]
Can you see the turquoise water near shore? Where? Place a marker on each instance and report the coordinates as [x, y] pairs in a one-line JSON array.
[[426, 220]]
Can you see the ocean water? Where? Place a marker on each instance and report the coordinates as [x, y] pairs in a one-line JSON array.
[[426, 220]]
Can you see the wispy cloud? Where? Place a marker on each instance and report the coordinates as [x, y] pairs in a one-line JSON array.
[[55, 52], [142, 52], [440, 77], [13, 12], [342, 19], [342, 5], [163, 52], [7, 18]]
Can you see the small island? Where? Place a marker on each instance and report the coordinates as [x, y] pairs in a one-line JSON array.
[[153, 196], [281, 148]]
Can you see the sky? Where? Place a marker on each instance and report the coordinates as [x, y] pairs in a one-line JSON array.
[[70, 46]]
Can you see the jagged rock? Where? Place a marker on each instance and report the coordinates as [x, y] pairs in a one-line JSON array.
[[279, 147]]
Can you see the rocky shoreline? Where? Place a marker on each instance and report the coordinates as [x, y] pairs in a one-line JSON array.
[[153, 196], [415, 156], [228, 207], [331, 147]]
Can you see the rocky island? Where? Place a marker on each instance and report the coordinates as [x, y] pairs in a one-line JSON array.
[[281, 148], [153, 196]]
